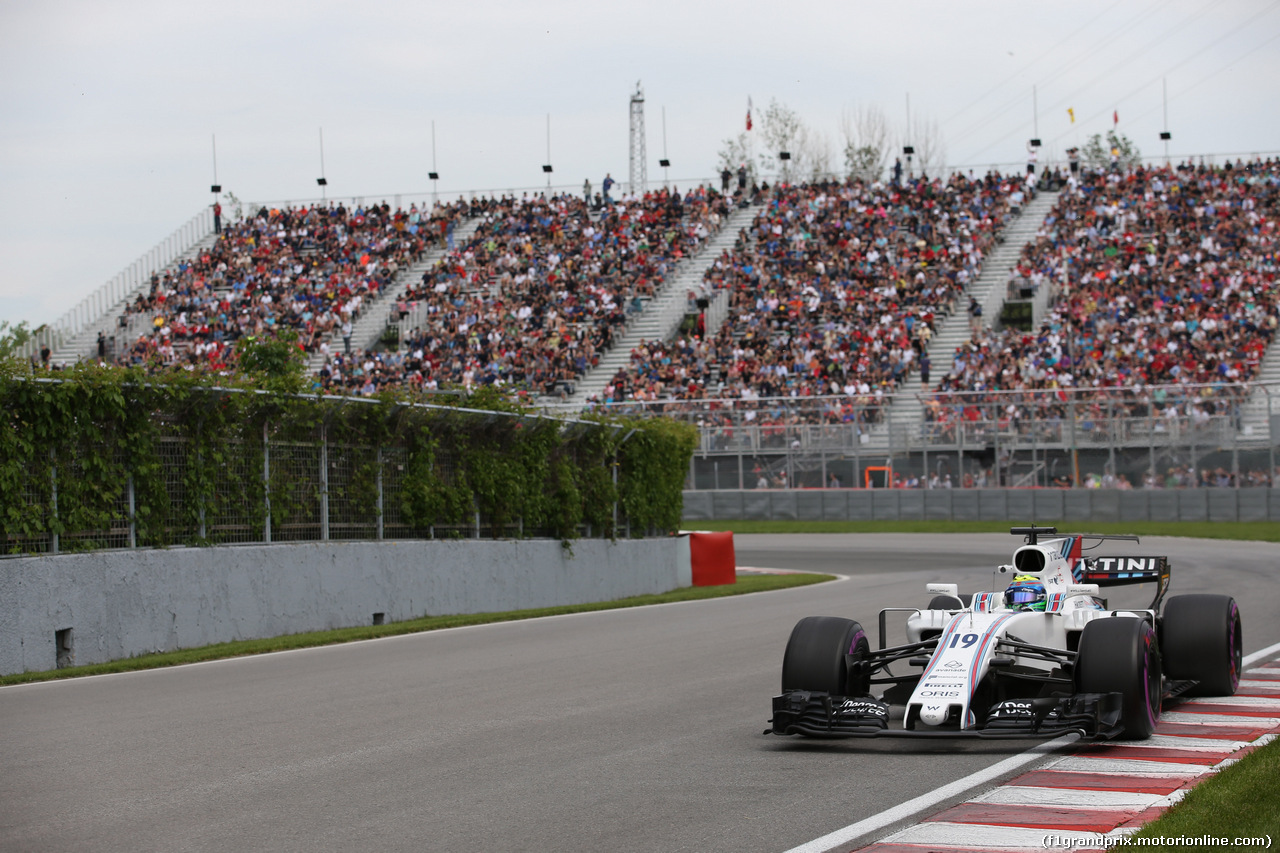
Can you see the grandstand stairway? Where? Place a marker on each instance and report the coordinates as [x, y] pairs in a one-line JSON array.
[[1254, 425], [83, 346], [662, 314], [377, 313], [903, 416]]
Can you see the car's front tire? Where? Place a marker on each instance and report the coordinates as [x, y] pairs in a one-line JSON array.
[[1119, 654], [1200, 640], [815, 657]]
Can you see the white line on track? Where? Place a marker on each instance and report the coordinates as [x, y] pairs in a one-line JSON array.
[[974, 836], [1261, 654], [1129, 767], [1219, 719], [960, 786], [1189, 743], [933, 798], [1017, 795]]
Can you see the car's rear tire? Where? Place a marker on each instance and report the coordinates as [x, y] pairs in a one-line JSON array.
[[950, 602], [1119, 654], [1200, 640], [815, 656]]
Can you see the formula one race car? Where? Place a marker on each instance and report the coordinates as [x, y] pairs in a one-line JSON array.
[[1042, 658]]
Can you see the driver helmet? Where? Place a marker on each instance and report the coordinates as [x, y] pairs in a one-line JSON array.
[[1025, 593]]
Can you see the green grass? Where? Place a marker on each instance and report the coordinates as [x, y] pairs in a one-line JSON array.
[[745, 584], [1265, 531], [1239, 802]]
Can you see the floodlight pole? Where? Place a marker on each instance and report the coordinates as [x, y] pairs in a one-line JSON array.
[[665, 169], [435, 176], [323, 180], [910, 175], [1035, 115], [1164, 85]]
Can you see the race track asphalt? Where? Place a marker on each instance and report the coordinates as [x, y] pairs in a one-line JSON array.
[[625, 730]]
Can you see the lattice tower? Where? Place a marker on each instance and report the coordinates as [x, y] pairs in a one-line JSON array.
[[639, 175]]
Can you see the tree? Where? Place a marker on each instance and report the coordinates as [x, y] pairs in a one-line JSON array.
[[13, 337], [780, 128], [735, 152], [235, 207], [866, 142], [931, 151], [277, 364], [1115, 150], [812, 157]]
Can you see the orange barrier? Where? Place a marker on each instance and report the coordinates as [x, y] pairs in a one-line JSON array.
[[711, 555]]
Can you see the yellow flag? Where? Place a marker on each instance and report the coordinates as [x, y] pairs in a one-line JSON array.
[[1071, 112]]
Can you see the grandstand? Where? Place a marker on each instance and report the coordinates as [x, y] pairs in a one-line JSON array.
[[370, 326], [799, 323], [662, 316], [1030, 431], [906, 411], [349, 280], [833, 289]]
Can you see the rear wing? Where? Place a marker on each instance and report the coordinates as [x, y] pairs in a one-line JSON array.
[[1121, 571]]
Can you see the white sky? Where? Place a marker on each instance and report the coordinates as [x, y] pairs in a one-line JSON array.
[[109, 109]]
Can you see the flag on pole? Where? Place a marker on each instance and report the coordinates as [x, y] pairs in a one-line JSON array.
[[1072, 112], [748, 112], [1115, 117]]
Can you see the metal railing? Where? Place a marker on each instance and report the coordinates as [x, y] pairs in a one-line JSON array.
[[1121, 437], [90, 310], [426, 199]]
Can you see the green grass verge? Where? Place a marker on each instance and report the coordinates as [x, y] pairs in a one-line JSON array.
[[1265, 531], [1239, 802], [745, 584]]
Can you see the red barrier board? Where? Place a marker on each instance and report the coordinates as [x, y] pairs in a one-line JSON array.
[[712, 557]]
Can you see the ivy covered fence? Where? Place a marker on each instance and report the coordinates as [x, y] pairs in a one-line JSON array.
[[108, 458]]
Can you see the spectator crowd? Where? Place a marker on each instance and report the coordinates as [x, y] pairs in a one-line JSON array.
[[307, 270], [539, 291], [528, 302], [834, 289], [1160, 277]]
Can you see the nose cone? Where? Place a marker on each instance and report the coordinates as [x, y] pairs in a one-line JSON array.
[[933, 715]]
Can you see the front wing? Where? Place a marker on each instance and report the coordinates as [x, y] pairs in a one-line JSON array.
[[821, 715]]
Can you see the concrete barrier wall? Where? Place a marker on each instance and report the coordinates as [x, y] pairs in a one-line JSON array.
[[120, 604], [1022, 505]]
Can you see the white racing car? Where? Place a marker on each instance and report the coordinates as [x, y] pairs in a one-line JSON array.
[[1042, 658]]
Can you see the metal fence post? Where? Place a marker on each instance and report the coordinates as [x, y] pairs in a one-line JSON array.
[[1075, 449], [615, 495], [324, 483], [133, 518], [53, 500], [266, 484], [380, 529], [995, 422], [200, 464], [1272, 440], [1151, 438]]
